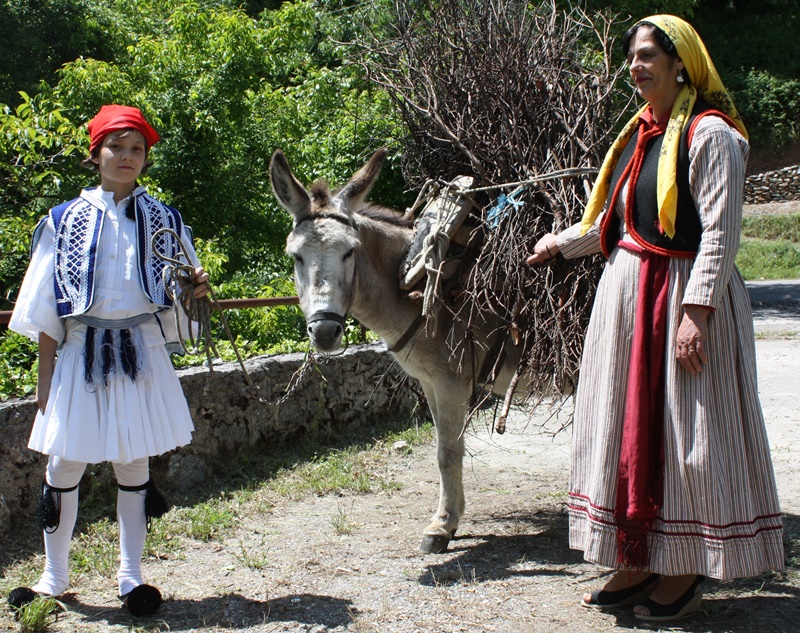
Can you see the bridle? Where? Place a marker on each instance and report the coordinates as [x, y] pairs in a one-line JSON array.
[[324, 315]]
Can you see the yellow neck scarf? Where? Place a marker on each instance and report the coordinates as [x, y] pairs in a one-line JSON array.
[[705, 85]]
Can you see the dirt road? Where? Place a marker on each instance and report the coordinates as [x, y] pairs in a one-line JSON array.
[[288, 569]]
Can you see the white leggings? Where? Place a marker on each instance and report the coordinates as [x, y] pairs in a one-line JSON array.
[[64, 474]]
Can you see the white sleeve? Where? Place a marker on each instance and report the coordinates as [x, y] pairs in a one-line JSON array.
[[716, 178], [572, 244], [168, 325], [35, 308]]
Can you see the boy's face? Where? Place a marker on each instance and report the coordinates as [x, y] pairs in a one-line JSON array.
[[121, 158]]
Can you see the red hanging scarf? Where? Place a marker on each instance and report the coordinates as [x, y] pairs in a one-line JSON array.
[[640, 483], [640, 486]]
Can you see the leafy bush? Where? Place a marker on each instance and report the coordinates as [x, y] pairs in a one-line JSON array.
[[770, 106], [18, 365], [772, 227], [38, 167], [764, 259]]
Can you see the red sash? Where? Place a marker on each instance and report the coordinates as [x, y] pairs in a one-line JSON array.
[[640, 486]]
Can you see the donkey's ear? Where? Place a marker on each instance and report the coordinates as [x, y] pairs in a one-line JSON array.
[[291, 195], [357, 188]]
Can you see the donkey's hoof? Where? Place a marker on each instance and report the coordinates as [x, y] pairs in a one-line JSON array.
[[435, 544]]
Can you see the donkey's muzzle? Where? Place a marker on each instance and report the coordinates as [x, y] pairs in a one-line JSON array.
[[325, 330]]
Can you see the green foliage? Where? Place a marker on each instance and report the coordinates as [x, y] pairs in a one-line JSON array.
[[36, 615], [37, 36], [770, 106], [772, 227], [18, 365], [38, 146], [773, 259], [265, 329], [742, 36]]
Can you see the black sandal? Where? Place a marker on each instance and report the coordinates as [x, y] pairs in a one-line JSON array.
[[142, 600], [688, 603], [602, 599]]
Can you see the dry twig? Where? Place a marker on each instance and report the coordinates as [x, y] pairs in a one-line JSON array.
[[504, 92]]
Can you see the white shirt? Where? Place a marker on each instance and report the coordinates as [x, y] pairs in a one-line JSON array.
[[118, 290]]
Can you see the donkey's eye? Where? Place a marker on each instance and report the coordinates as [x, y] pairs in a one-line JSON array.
[[298, 260], [348, 255]]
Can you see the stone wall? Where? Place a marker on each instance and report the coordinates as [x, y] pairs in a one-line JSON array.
[[354, 389], [781, 185]]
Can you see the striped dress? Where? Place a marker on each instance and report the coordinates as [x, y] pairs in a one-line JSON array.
[[720, 515]]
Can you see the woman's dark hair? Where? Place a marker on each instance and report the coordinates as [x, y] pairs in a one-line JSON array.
[[660, 37]]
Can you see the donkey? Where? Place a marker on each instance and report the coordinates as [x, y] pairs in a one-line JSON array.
[[347, 256]]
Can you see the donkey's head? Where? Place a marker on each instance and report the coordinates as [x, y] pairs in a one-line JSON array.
[[323, 242]]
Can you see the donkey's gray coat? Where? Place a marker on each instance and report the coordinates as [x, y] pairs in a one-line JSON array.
[[347, 259]]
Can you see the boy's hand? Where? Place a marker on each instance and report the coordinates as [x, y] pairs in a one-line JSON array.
[[200, 280], [47, 361]]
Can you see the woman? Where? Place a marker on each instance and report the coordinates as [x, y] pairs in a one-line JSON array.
[[94, 292], [671, 477]]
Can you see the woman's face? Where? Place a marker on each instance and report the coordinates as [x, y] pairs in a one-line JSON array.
[[653, 71]]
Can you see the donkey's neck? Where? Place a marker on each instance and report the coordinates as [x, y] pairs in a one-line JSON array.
[[378, 302]]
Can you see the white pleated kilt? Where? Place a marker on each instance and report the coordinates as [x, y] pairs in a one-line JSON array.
[[720, 515], [117, 422]]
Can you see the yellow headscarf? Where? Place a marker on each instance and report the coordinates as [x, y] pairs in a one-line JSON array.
[[706, 85]]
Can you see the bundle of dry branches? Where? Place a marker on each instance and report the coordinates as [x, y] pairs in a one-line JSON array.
[[506, 92]]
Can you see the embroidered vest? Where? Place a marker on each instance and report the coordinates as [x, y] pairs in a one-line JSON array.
[[78, 224], [642, 219]]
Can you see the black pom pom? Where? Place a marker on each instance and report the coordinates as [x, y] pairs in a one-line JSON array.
[[128, 354], [155, 505], [143, 600], [48, 512], [21, 596], [107, 355]]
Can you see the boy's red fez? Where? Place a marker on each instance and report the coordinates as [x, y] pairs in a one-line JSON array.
[[119, 117]]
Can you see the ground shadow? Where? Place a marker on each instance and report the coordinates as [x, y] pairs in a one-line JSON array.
[[541, 538], [98, 488], [763, 604], [750, 611], [229, 612]]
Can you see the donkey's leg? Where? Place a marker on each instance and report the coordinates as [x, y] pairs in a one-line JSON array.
[[448, 407]]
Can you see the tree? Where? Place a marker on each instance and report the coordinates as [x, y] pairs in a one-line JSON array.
[[510, 94], [38, 144], [226, 90]]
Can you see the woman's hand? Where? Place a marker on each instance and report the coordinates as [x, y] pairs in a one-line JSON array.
[[690, 343], [200, 280], [546, 248]]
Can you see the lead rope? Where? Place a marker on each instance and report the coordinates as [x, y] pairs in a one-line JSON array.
[[177, 274]]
